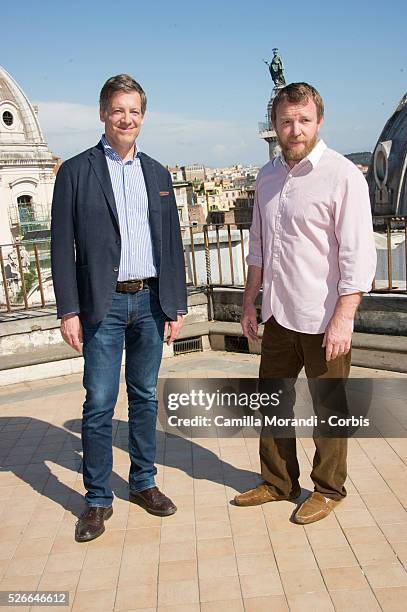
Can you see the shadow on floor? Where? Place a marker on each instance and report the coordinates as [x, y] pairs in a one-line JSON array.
[[27, 445]]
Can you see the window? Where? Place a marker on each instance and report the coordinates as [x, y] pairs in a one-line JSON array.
[[25, 210], [8, 118]]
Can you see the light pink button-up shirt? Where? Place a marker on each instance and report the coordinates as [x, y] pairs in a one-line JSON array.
[[312, 235]]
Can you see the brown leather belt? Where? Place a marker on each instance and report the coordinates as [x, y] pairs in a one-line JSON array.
[[131, 286]]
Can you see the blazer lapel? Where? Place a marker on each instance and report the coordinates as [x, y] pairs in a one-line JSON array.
[[99, 164], [154, 204]]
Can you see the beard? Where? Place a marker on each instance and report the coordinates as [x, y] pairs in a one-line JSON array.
[[298, 153]]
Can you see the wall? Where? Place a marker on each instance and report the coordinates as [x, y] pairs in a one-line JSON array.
[[377, 314]]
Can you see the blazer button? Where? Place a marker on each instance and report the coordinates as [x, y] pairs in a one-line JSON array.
[[115, 269]]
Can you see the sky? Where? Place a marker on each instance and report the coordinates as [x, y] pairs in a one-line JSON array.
[[201, 67]]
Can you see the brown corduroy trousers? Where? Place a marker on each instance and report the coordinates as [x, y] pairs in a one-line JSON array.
[[284, 352]]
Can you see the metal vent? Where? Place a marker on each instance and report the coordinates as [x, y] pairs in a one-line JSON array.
[[236, 344], [191, 345]]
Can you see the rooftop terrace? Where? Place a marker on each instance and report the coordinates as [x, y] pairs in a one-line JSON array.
[[210, 555]]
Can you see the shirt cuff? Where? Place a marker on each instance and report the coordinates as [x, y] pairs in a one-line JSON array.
[[253, 260], [348, 289]]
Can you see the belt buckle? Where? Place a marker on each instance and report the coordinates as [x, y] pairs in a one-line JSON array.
[[130, 286], [135, 286]]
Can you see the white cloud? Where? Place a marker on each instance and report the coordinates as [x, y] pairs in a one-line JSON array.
[[70, 128]]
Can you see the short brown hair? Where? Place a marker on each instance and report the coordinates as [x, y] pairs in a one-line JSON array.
[[121, 82], [297, 93]]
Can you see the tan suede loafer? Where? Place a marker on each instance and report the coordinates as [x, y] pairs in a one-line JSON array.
[[314, 508], [262, 495]]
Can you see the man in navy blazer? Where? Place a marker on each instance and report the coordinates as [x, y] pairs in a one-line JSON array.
[[119, 279]]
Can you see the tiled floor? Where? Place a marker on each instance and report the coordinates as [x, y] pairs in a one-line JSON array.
[[210, 555]]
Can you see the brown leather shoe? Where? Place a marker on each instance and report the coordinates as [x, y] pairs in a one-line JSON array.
[[314, 508], [153, 501], [91, 523], [262, 495]]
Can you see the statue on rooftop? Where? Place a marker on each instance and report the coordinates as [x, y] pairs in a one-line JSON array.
[[276, 69]]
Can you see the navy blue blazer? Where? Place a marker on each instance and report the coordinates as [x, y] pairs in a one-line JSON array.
[[85, 237]]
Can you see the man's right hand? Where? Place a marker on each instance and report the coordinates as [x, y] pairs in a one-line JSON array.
[[249, 322], [71, 331]]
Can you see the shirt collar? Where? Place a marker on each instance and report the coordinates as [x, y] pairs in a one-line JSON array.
[[112, 153], [313, 157]]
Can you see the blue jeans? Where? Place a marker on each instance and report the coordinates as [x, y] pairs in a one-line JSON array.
[[136, 321]]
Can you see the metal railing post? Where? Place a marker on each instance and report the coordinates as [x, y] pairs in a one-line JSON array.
[[405, 249], [20, 267], [232, 274], [389, 256], [194, 275], [243, 257], [3, 275], [38, 266], [219, 255], [208, 273]]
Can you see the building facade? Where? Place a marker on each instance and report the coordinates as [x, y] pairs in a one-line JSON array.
[[195, 172], [387, 174], [26, 166], [244, 208], [184, 197]]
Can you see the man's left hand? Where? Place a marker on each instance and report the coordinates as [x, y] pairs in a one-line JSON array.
[[338, 337], [172, 329]]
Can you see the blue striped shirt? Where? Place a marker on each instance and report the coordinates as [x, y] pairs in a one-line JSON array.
[[130, 194]]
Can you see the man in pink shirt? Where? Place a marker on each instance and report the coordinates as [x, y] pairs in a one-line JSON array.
[[312, 250]]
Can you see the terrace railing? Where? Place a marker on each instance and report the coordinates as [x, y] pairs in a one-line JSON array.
[[215, 256]]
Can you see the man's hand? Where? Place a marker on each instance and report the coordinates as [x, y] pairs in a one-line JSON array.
[[338, 337], [249, 322], [172, 329], [71, 331], [338, 334]]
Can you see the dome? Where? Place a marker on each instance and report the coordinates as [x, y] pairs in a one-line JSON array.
[[18, 119], [387, 176]]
